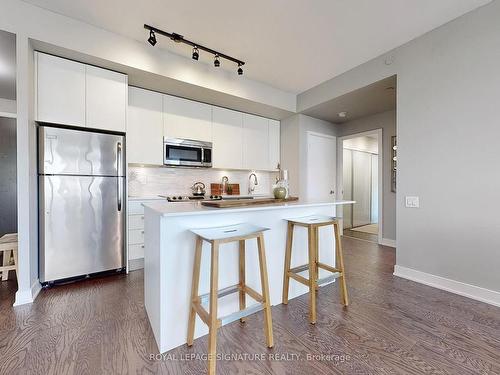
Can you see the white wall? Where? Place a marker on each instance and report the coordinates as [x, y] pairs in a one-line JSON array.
[[294, 148], [447, 124], [387, 122]]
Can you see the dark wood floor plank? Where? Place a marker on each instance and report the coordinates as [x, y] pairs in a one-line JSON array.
[[392, 326]]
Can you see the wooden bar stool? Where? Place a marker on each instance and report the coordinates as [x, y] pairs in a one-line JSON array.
[[313, 223], [217, 236], [8, 246]]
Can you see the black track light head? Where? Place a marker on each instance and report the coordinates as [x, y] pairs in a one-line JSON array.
[[196, 54], [152, 38], [240, 70], [216, 61]]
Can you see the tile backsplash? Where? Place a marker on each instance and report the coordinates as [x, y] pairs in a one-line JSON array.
[[153, 181]]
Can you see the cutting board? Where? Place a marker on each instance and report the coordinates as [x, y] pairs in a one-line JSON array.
[[246, 202], [216, 189]]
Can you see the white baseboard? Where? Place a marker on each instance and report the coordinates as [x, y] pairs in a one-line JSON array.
[[467, 290], [387, 242], [28, 296]]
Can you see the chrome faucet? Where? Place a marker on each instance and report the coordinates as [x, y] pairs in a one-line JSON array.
[[224, 183], [252, 185]]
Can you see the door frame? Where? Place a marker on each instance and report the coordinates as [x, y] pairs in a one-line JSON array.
[[310, 133], [340, 174]]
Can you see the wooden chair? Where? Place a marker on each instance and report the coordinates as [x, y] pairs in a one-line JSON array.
[[313, 223], [8, 246], [217, 236]]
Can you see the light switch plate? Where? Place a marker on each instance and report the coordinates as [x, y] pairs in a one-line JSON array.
[[412, 202]]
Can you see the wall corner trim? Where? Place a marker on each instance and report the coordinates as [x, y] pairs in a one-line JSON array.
[[24, 297], [387, 242], [466, 290]]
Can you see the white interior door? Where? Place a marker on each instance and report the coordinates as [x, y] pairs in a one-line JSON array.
[[347, 187], [321, 166], [361, 188], [374, 198]]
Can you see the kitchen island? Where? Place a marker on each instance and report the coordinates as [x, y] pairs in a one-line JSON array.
[[169, 255]]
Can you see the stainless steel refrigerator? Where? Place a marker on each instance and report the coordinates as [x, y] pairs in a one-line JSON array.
[[81, 205]]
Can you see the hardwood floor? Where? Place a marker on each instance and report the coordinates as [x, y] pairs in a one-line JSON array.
[[361, 235], [392, 326]]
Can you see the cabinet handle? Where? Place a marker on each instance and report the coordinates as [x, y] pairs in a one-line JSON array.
[[142, 246], [142, 217], [142, 231]]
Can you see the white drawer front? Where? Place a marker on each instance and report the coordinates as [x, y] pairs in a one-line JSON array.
[[135, 251], [136, 236], [135, 207], [136, 222]]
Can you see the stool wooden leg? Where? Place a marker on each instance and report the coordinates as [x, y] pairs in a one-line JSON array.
[[312, 274], [340, 260], [265, 291], [212, 329], [194, 290], [16, 264], [316, 255], [6, 261], [288, 260], [243, 302]]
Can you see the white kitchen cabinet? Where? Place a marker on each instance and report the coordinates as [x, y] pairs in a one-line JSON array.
[[188, 119], [255, 142], [274, 144], [227, 133], [145, 127], [106, 99], [60, 90], [135, 237]]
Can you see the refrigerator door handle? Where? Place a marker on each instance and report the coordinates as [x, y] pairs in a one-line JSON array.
[[119, 164]]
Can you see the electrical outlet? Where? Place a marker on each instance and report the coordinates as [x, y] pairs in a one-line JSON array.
[[412, 202]]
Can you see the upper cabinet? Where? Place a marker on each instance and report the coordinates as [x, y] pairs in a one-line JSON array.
[[106, 99], [274, 144], [71, 93], [145, 127], [183, 118], [255, 142], [60, 90], [227, 132]]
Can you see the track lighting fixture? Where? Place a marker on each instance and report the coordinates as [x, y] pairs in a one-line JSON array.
[[177, 38], [152, 38], [196, 54]]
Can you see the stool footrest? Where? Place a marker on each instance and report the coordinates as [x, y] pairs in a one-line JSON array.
[[252, 293], [241, 314], [221, 293], [299, 278], [298, 269], [328, 268], [202, 313], [204, 298], [8, 268], [327, 279]]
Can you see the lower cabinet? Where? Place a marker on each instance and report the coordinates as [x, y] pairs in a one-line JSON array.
[[135, 231]]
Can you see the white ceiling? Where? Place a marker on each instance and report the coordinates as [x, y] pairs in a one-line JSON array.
[[375, 98], [7, 65], [290, 44]]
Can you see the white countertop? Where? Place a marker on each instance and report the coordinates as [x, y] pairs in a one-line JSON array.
[[145, 198], [196, 208]]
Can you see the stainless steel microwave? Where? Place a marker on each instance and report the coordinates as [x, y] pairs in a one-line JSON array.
[[187, 153]]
